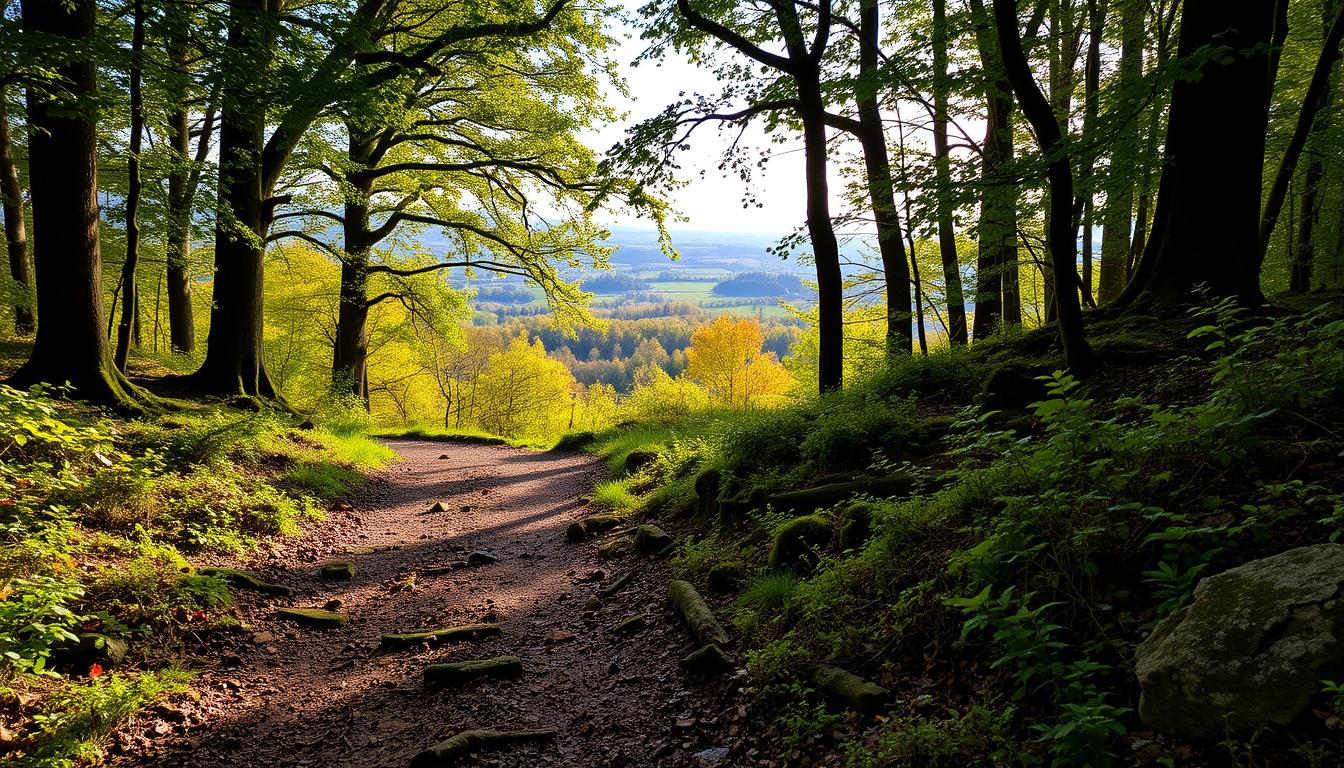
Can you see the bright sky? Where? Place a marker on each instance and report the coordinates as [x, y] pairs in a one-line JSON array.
[[713, 202]]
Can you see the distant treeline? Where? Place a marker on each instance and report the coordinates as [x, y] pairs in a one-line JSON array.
[[753, 284]]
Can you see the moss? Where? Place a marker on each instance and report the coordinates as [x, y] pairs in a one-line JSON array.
[[798, 543], [856, 525]]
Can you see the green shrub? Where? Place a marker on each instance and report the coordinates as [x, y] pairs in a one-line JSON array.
[[323, 480], [770, 591], [36, 617], [75, 724]]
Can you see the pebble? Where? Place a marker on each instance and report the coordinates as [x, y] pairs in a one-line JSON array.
[[711, 756]]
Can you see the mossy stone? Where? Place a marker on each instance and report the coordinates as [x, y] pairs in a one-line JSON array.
[[338, 571], [798, 542], [848, 689], [616, 547], [460, 672], [600, 523], [856, 525], [313, 617], [576, 533], [650, 539], [725, 578], [631, 624], [459, 634], [240, 579]]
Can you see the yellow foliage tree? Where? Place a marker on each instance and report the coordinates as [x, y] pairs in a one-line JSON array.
[[726, 357], [523, 392]]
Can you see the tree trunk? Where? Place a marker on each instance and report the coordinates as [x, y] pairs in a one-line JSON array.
[[1117, 211], [71, 345], [181, 314], [877, 162], [1303, 264], [825, 247], [1061, 237], [233, 360], [996, 298], [16, 234], [1086, 203], [947, 235], [1318, 92], [349, 370], [1208, 201], [130, 306]]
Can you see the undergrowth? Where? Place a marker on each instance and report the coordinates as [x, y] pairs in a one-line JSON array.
[[101, 521], [1054, 540]]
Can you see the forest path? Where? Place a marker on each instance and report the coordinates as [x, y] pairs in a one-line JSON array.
[[332, 698]]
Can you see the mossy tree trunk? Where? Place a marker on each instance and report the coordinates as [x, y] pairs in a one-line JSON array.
[[71, 343]]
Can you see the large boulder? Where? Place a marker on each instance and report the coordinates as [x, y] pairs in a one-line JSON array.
[[798, 543], [1250, 649]]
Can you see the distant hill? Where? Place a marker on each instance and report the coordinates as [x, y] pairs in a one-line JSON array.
[[761, 284]]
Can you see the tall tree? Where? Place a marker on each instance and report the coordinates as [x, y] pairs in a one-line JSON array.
[[947, 234], [1318, 93], [1061, 236], [1118, 183], [997, 301], [801, 64], [130, 306], [71, 345], [251, 162], [1204, 226], [16, 234]]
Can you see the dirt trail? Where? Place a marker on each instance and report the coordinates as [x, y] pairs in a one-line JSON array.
[[333, 698]]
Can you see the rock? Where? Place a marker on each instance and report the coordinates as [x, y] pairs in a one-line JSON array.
[[600, 523], [637, 460], [708, 660], [261, 638], [630, 625], [693, 610], [798, 543], [725, 578], [443, 456], [711, 756], [809, 500], [481, 557], [707, 487], [1013, 386], [592, 605], [615, 585], [849, 689], [307, 424], [616, 547], [650, 539], [438, 507], [239, 579], [338, 571], [856, 525], [459, 672], [1250, 649], [559, 636], [313, 617], [448, 751], [459, 634], [576, 533], [332, 605]]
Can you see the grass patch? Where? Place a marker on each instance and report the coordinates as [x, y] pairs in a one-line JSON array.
[[323, 480], [614, 496], [74, 725]]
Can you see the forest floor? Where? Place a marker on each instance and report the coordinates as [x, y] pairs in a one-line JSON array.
[[286, 695]]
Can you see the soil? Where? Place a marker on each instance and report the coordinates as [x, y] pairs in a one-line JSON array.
[[289, 695]]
